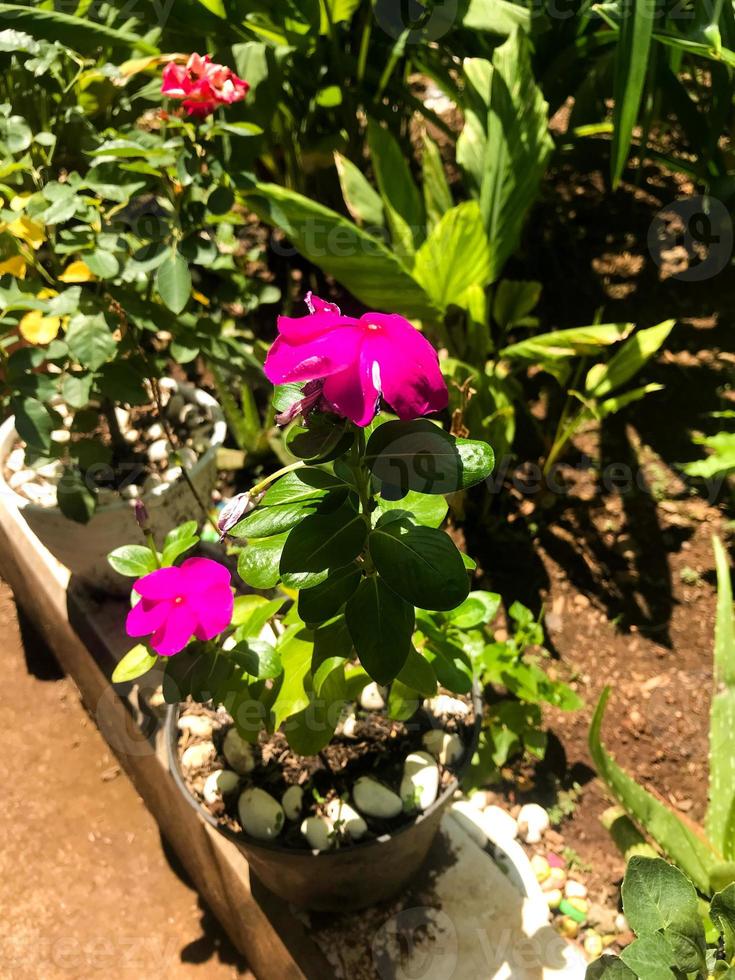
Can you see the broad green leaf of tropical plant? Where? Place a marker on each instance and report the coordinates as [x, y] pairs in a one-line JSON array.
[[361, 262], [562, 344], [513, 303], [496, 17], [78, 33], [627, 362], [722, 715], [722, 460], [455, 256], [362, 200], [631, 67], [611, 405], [437, 195], [337, 12], [395, 181], [685, 845], [505, 145]]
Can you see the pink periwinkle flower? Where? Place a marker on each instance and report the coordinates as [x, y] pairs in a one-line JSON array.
[[352, 364], [202, 85], [178, 603]]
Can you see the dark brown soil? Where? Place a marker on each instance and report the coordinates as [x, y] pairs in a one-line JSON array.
[[623, 567], [378, 748], [87, 887]]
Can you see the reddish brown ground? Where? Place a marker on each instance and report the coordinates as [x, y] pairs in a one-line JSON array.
[[86, 886]]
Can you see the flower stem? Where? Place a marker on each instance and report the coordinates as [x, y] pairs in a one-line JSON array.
[[274, 476]]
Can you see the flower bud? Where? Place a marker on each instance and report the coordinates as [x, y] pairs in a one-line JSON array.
[[142, 517]]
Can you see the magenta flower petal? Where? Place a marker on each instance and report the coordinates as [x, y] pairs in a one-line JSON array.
[[202, 85], [176, 631], [161, 584], [317, 305], [214, 611], [355, 391], [146, 617], [412, 384], [318, 358], [199, 574], [299, 329]]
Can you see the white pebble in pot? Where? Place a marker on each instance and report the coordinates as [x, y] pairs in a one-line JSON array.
[[444, 746], [196, 756], [238, 752], [371, 698], [261, 816], [292, 801], [444, 705], [349, 726], [158, 451], [420, 783], [317, 831], [533, 822], [375, 800], [199, 725], [219, 783], [349, 820]]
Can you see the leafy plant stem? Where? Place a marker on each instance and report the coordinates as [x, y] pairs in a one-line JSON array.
[[259, 487]]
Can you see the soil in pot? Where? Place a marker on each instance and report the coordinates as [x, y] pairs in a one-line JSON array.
[[411, 762]]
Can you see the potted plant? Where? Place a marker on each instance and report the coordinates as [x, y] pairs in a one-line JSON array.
[[104, 276], [314, 724]]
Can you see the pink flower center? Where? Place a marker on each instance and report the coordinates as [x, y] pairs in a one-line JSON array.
[[178, 600]]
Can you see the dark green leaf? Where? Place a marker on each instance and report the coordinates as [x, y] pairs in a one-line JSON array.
[[381, 625], [325, 600], [421, 456], [257, 658], [308, 483], [76, 500], [264, 522], [321, 543], [173, 281], [323, 439], [33, 421], [722, 913], [90, 341], [421, 564], [650, 956], [418, 674]]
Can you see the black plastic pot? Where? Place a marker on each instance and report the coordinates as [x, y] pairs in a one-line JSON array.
[[351, 877]]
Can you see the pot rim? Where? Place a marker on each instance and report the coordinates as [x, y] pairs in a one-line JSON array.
[[9, 434], [242, 839]]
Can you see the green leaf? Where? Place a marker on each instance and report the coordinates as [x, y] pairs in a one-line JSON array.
[[17, 135], [609, 968], [258, 562], [563, 344], [691, 852], [722, 714], [257, 658], [102, 264], [658, 898], [33, 421], [76, 500], [478, 609], [450, 663], [320, 544], [264, 522], [651, 957], [722, 913], [134, 664], [321, 440], [631, 67], [173, 281], [421, 456], [362, 262], [426, 508], [395, 181], [418, 674], [90, 340], [514, 301], [505, 144], [326, 599], [455, 256], [627, 362], [179, 540], [420, 564], [308, 483], [496, 17], [312, 728], [296, 650], [133, 560], [403, 701], [381, 625], [251, 613], [362, 200], [437, 195], [78, 33]]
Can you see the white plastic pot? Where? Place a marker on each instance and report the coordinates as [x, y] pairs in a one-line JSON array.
[[83, 548]]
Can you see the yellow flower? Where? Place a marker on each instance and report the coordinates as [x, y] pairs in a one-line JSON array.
[[27, 230], [14, 266], [77, 272], [199, 297], [19, 202], [39, 329]]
